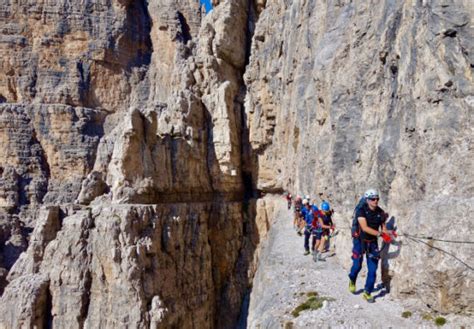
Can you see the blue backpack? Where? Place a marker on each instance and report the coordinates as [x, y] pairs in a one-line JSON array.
[[355, 228]]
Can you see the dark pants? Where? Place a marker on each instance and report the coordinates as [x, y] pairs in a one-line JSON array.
[[371, 250], [307, 234], [316, 236]]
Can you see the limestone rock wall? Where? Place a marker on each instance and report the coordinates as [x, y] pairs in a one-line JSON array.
[[72, 53], [139, 266], [49, 149], [347, 95], [122, 202]]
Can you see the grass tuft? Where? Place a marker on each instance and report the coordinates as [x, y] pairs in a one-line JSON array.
[[427, 317], [312, 303], [406, 314], [440, 321]]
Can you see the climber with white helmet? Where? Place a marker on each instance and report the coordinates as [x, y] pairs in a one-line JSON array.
[[368, 219]]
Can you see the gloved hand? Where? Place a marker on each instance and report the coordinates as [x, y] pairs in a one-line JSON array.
[[386, 238], [333, 227], [394, 233]]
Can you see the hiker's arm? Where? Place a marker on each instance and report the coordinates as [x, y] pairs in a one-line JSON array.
[[365, 228], [384, 228]]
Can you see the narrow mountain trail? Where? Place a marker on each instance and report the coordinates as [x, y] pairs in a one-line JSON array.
[[285, 277]]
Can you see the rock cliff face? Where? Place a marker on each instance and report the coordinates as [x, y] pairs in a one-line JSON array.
[[121, 192], [136, 136], [348, 95], [146, 266]]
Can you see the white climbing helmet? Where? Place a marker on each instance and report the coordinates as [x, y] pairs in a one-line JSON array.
[[305, 201], [371, 193]]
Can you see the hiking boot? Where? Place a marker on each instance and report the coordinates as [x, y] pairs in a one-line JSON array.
[[315, 256], [368, 297], [352, 286], [321, 258], [306, 252]]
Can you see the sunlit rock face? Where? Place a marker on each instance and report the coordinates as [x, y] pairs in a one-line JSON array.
[[136, 137], [348, 95], [121, 192]]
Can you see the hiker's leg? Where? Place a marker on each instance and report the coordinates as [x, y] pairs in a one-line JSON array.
[[322, 244], [357, 258], [317, 236], [327, 245], [307, 234], [373, 256]]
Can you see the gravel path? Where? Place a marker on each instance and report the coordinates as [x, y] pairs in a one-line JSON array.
[[285, 276]]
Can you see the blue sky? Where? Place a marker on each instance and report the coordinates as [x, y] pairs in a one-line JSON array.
[[208, 5]]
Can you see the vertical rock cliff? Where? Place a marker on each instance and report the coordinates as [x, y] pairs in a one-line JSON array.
[[348, 95], [121, 193], [137, 136]]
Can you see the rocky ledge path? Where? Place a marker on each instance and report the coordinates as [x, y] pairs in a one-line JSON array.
[[286, 279]]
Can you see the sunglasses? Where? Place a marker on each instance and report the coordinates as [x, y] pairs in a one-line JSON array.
[[374, 199]]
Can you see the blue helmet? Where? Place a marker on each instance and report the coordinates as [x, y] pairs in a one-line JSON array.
[[325, 206]]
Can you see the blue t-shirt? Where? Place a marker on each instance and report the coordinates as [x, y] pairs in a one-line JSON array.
[[307, 215]]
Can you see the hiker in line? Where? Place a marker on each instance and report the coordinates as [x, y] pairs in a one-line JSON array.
[[323, 230], [288, 199], [316, 231], [307, 197], [327, 213], [367, 221], [298, 205], [308, 216]]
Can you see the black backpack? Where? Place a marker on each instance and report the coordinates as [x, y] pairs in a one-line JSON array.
[[355, 228]]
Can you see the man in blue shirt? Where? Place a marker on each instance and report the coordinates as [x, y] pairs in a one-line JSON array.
[[308, 215]]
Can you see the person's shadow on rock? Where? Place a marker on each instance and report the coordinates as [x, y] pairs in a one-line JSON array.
[[386, 255]]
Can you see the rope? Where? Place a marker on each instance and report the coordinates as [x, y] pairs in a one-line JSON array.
[[434, 239], [419, 240], [443, 251], [421, 237]]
